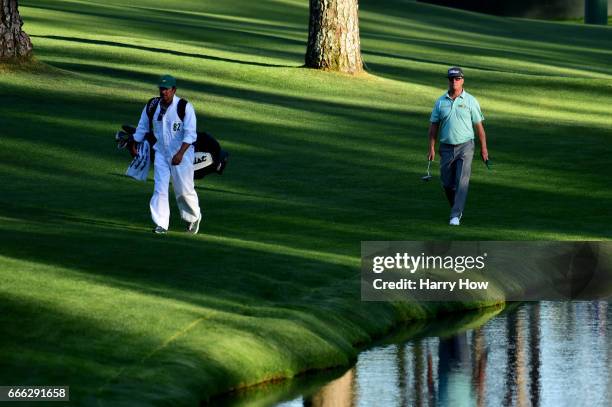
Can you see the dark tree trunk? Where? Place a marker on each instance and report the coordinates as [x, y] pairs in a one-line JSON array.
[[596, 12], [333, 36], [14, 43]]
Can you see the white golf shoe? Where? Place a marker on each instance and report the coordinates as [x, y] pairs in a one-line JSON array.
[[454, 221]]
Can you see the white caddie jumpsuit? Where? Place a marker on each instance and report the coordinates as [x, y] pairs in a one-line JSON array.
[[171, 132]]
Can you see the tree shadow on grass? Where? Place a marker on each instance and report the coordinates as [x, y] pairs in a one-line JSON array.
[[335, 200], [318, 166], [190, 17], [382, 68], [260, 38], [459, 22], [303, 166], [238, 281], [488, 79], [172, 264], [460, 38], [255, 296], [44, 345], [107, 365], [315, 104], [160, 51]]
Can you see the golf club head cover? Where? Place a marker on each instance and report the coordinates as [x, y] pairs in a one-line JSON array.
[[122, 138], [125, 140], [128, 129]]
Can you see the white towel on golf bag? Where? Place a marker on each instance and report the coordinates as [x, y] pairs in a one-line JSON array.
[[139, 167]]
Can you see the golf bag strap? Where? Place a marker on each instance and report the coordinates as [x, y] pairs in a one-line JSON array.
[[180, 109], [151, 107]]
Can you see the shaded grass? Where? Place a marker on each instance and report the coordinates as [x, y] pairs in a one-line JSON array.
[[320, 162]]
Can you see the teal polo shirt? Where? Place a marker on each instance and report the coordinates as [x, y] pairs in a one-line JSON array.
[[456, 117]]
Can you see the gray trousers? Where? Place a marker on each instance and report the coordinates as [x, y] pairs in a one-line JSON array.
[[455, 171]]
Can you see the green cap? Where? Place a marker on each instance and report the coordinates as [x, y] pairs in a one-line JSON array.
[[167, 81]]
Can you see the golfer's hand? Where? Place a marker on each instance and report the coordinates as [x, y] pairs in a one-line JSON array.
[[431, 155], [176, 160], [484, 153]]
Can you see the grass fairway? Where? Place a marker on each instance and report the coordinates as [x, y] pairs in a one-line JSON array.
[[319, 162]]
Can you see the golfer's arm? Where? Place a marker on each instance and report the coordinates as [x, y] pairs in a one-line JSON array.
[[481, 136], [433, 135]]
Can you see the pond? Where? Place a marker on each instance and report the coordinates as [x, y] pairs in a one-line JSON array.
[[532, 354]]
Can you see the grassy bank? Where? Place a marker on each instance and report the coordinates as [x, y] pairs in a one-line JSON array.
[[319, 163], [305, 386]]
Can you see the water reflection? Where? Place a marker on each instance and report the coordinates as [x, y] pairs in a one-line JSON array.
[[538, 354], [338, 393]]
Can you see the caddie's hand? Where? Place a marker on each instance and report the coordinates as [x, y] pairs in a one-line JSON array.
[[176, 160], [431, 155], [484, 153]]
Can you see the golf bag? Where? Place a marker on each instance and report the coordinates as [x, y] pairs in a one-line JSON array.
[[209, 156]]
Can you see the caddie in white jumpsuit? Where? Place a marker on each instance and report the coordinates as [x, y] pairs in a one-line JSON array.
[[174, 156]]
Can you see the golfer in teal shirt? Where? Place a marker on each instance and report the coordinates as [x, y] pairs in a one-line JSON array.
[[454, 118]]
